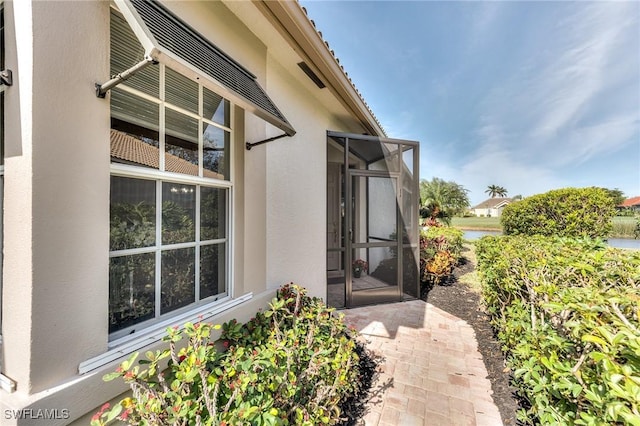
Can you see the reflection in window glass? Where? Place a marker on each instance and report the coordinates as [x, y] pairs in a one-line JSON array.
[[168, 239], [178, 213], [134, 130], [215, 107], [178, 279], [131, 290], [126, 51], [132, 213], [215, 146], [134, 110], [181, 143], [212, 213], [181, 91], [212, 270]]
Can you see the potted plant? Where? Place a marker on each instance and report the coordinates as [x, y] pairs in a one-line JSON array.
[[359, 266]]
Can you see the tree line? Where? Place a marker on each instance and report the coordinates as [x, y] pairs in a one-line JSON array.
[[442, 200]]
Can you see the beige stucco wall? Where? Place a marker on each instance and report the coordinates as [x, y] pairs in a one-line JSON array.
[[56, 178], [56, 217]]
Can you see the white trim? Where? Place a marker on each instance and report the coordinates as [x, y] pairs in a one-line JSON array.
[[126, 170], [151, 249], [147, 97], [126, 345], [7, 384]]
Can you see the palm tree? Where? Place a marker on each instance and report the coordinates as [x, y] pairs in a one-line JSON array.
[[492, 190], [495, 190], [442, 200], [502, 191]]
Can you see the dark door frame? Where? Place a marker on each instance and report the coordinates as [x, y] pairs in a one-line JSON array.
[[406, 184]]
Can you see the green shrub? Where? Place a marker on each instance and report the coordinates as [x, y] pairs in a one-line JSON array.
[[567, 313], [440, 251], [292, 364], [568, 212]]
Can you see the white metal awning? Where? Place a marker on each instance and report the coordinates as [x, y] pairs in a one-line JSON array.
[[167, 39]]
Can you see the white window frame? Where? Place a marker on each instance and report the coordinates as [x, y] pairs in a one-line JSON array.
[[159, 176]]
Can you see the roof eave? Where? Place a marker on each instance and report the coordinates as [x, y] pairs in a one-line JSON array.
[[293, 23]]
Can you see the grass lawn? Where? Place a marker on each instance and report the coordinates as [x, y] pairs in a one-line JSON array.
[[623, 227], [479, 223]]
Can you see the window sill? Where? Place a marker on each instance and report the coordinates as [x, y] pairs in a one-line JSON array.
[[124, 346]]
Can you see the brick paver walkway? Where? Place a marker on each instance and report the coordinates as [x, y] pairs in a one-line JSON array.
[[432, 372]]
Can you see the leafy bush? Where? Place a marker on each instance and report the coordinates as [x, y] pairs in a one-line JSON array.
[[568, 212], [567, 313], [440, 249], [292, 364]]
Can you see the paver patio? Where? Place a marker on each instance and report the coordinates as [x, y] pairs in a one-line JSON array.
[[432, 372]]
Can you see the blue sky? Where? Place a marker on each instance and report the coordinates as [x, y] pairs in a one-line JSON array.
[[530, 96]]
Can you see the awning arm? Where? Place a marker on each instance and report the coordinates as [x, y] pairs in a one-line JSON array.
[[251, 145], [6, 78], [102, 89]]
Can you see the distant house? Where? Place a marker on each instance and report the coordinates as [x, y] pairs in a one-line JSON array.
[[491, 207], [631, 203]]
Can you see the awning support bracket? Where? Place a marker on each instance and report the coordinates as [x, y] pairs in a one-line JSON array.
[[102, 89], [6, 78], [251, 145]]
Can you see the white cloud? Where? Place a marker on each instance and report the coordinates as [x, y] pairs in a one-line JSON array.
[[588, 141], [499, 168], [578, 74], [483, 21], [577, 97]]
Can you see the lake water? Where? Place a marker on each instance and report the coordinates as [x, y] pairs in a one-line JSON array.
[[628, 243]]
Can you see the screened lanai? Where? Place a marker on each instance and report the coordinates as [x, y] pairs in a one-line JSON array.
[[372, 220]]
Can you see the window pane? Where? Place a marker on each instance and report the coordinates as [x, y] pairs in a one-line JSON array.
[[215, 107], [131, 290], [181, 91], [126, 51], [178, 279], [134, 130], [134, 110], [133, 213], [215, 153], [178, 213], [212, 213], [212, 270], [181, 143]]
